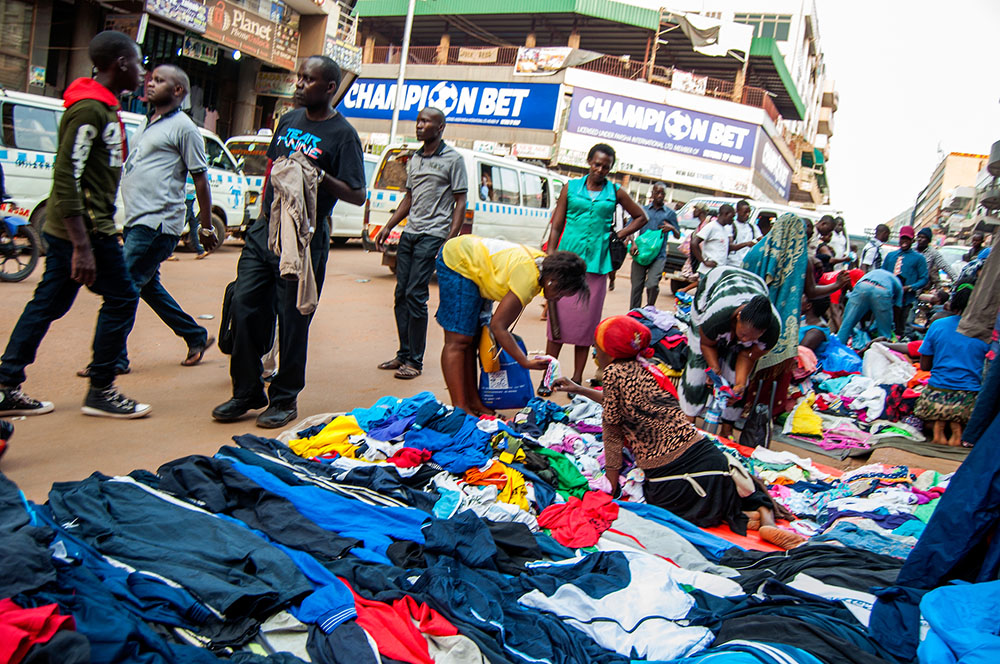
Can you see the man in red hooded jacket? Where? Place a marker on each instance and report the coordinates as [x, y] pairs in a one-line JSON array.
[[83, 244]]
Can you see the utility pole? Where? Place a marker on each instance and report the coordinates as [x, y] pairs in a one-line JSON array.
[[402, 71]]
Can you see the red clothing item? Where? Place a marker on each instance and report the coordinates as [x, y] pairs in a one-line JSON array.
[[579, 523], [398, 629], [20, 629], [409, 457], [830, 277]]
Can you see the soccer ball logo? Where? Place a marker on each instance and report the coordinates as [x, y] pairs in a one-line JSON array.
[[677, 125], [444, 97]]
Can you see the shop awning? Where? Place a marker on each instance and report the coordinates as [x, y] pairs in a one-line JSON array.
[[769, 72]]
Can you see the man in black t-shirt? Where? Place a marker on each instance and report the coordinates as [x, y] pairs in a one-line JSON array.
[[316, 129]]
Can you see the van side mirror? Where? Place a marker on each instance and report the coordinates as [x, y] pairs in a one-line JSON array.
[[240, 163]]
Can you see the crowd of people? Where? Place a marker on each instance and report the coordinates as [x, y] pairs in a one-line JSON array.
[[757, 295]]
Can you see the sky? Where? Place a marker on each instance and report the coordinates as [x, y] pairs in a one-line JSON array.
[[912, 76]]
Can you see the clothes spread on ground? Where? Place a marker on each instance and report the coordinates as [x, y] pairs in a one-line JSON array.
[[412, 532]]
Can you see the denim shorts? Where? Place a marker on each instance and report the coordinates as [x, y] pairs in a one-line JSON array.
[[462, 309]]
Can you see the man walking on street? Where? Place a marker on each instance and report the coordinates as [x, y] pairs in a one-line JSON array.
[[871, 255], [664, 219], [261, 294], [83, 245], [745, 235], [911, 269], [167, 149], [436, 186]]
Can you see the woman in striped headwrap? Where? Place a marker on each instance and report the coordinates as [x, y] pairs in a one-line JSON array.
[[733, 324]]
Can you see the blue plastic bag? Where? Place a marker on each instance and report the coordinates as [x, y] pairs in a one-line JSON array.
[[510, 387], [838, 357]]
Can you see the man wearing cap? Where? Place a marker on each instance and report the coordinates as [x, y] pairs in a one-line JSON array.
[[935, 261], [911, 269]]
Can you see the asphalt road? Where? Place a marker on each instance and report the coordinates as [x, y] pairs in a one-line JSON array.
[[352, 332]]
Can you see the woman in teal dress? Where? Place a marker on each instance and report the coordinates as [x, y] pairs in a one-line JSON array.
[[582, 222]]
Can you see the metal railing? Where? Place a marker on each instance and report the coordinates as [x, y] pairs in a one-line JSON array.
[[619, 67]]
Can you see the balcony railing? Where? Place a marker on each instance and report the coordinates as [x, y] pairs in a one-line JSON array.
[[606, 64]]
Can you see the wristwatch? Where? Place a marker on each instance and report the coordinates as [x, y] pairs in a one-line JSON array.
[[205, 232]]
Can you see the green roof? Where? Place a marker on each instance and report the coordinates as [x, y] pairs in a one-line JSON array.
[[604, 9], [790, 106]]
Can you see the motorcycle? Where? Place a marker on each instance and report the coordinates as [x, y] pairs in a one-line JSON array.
[[20, 245]]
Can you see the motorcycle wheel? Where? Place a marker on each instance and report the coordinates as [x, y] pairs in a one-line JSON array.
[[18, 253]]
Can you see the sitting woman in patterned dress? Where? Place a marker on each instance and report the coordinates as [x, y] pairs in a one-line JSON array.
[[685, 472], [956, 365]]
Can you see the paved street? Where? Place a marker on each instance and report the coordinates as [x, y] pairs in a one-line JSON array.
[[352, 332]]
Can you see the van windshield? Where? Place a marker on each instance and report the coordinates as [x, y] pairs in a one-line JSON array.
[[393, 173], [253, 153]]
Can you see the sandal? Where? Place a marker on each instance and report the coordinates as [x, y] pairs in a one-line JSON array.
[[406, 372], [391, 365], [195, 353]]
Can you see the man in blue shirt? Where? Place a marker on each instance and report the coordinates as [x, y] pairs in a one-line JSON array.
[[879, 292], [664, 219], [911, 269]]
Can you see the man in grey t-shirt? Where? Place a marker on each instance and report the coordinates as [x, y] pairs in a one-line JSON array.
[[162, 155], [436, 187]]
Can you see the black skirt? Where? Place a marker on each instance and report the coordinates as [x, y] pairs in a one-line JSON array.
[[721, 502]]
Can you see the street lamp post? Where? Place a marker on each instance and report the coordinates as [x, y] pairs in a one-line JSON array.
[[408, 27]]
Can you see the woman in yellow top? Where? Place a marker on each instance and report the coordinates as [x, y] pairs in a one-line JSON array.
[[473, 272]]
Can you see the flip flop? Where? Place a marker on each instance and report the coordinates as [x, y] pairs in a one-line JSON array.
[[195, 353], [406, 372], [391, 365]]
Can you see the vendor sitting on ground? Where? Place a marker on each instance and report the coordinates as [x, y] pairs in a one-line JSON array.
[[733, 324], [956, 365], [474, 272], [641, 412], [814, 333]]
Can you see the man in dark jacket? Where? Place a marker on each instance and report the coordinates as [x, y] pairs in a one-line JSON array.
[[83, 243]]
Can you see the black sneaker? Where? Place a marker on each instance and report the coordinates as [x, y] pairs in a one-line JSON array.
[[15, 402], [109, 402], [277, 415]]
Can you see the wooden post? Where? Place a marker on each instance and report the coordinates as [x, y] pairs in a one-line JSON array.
[[530, 40], [442, 49], [368, 53], [574, 39], [741, 80]]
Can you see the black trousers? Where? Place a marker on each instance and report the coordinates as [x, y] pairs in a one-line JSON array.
[[415, 257], [261, 297]]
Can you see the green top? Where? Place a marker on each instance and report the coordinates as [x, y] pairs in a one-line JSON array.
[[87, 169], [590, 217]]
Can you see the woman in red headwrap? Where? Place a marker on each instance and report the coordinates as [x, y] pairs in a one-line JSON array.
[[685, 472]]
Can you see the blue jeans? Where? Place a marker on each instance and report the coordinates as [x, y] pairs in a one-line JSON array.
[[54, 296], [145, 249], [867, 297]]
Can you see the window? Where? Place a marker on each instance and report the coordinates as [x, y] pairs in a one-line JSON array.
[[30, 128], [535, 191], [370, 165], [393, 173], [771, 26], [557, 186], [498, 185], [253, 154], [217, 157]]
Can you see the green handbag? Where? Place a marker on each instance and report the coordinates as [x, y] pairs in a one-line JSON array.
[[648, 247]]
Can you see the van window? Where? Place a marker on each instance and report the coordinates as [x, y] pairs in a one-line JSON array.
[[253, 153], [217, 157], [535, 191], [557, 186], [30, 128], [393, 173], [499, 185]]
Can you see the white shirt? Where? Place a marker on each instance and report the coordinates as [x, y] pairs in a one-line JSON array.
[[714, 244], [838, 242], [743, 231]]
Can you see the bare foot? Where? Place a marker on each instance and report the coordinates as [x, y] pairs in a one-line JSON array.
[[783, 538], [754, 521]]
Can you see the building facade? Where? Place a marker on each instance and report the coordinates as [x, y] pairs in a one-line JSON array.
[[238, 53], [955, 170]]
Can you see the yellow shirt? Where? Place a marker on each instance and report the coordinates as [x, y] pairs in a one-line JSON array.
[[496, 266]]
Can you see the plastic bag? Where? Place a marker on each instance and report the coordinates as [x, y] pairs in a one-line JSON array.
[[510, 387], [838, 358], [648, 247], [885, 367]]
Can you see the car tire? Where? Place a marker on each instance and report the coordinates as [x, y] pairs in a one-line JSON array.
[[339, 241], [220, 229]]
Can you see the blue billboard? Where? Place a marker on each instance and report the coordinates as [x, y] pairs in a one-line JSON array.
[[520, 105], [610, 117]]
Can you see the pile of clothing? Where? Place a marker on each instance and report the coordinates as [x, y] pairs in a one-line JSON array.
[[412, 532]]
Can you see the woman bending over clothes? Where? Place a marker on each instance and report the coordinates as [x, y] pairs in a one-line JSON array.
[[582, 222], [732, 325], [685, 472], [474, 272]]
